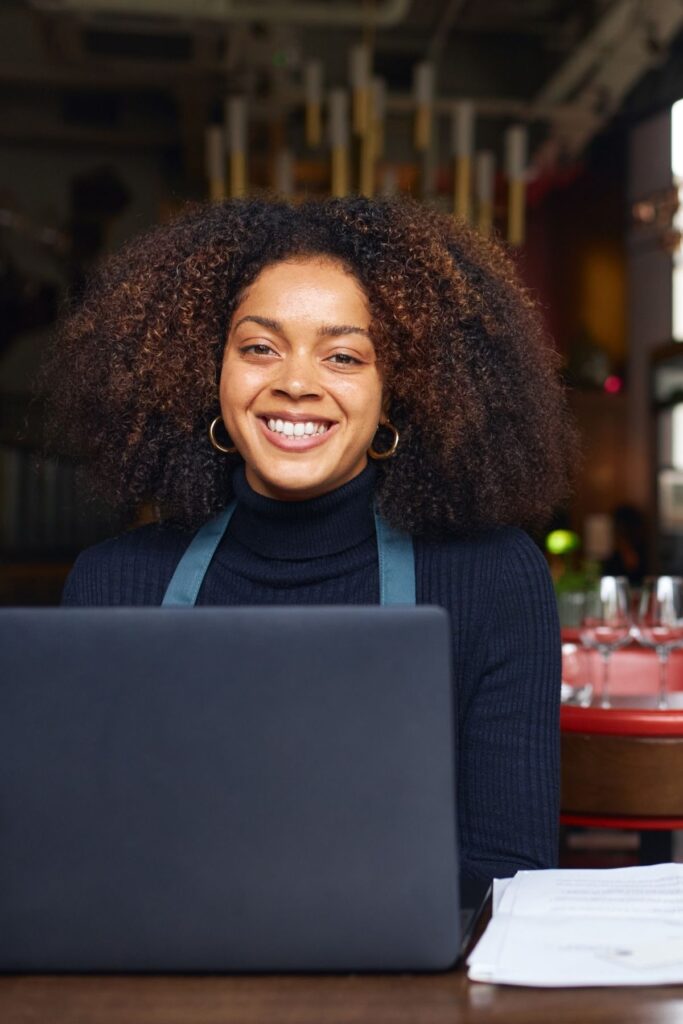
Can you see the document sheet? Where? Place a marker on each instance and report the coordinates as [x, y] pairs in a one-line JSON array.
[[619, 926]]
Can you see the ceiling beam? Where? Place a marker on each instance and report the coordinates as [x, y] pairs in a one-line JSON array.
[[380, 14], [52, 134], [631, 38]]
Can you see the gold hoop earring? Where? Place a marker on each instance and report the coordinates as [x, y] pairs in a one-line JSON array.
[[212, 437], [394, 444]]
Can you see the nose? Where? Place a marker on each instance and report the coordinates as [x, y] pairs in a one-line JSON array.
[[298, 377]]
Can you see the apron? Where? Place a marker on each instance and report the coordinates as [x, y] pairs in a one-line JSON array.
[[396, 563]]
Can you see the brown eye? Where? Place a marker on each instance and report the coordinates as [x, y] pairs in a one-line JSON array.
[[259, 349], [344, 359]]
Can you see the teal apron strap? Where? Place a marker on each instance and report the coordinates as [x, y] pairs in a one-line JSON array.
[[191, 569], [395, 550], [396, 565]]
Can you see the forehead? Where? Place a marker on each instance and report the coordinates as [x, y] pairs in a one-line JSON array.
[[305, 287]]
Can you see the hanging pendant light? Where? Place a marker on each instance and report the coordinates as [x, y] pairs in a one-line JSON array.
[[215, 161], [339, 141], [516, 141], [462, 145], [236, 111]]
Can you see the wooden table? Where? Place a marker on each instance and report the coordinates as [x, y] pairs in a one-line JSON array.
[[378, 999]]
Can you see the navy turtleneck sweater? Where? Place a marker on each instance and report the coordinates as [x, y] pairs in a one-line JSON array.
[[506, 644]]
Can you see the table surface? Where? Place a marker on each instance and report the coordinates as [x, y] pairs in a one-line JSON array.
[[627, 716], [354, 999]]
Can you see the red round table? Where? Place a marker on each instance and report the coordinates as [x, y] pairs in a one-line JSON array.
[[622, 767]]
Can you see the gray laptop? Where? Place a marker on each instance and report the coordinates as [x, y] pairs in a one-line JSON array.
[[227, 789]]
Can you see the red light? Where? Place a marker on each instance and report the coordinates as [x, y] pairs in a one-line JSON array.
[[613, 385]]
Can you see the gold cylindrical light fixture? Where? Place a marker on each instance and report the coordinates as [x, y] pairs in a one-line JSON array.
[[284, 172], [215, 161], [484, 189], [367, 163], [515, 169], [313, 88], [339, 141], [359, 74], [236, 117], [462, 145], [378, 107], [423, 81], [389, 186], [373, 137]]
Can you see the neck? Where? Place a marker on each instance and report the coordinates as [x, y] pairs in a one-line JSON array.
[[307, 528], [266, 490]]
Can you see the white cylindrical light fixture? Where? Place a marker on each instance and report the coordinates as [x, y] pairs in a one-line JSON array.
[[423, 81], [236, 117], [359, 75], [372, 141], [313, 88], [389, 181], [462, 146], [516, 144], [284, 172], [484, 189], [379, 112], [215, 161], [516, 139], [339, 141]]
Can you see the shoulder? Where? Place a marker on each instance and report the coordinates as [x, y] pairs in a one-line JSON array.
[[499, 574], [133, 568], [514, 552], [485, 557]]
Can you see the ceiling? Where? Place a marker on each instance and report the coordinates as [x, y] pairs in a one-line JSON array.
[[149, 72]]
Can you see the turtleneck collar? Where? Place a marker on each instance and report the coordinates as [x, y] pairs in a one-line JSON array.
[[297, 530]]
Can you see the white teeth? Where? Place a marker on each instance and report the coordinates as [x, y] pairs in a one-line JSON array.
[[297, 429]]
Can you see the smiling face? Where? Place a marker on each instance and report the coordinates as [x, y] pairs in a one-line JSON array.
[[300, 389]]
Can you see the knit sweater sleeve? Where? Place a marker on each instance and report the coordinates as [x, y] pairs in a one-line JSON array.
[[133, 569], [508, 781]]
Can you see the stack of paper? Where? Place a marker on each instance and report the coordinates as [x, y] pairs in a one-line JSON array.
[[622, 926]]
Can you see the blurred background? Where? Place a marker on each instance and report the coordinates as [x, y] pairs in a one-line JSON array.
[[553, 123]]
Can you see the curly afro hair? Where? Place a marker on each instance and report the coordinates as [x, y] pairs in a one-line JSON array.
[[471, 378]]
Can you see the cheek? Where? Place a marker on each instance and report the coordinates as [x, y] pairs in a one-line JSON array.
[[369, 400], [223, 384], [225, 375], [365, 392], [364, 409], [230, 394], [237, 383]]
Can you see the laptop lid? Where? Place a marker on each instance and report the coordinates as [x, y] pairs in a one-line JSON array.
[[227, 789]]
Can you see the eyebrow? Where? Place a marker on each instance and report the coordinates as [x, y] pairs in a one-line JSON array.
[[326, 331]]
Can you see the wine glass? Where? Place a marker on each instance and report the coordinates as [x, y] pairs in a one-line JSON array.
[[660, 624], [577, 687], [606, 624]]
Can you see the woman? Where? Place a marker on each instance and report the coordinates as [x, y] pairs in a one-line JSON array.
[[310, 362]]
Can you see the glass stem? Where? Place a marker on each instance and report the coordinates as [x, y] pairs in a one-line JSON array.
[[663, 699], [604, 689]]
